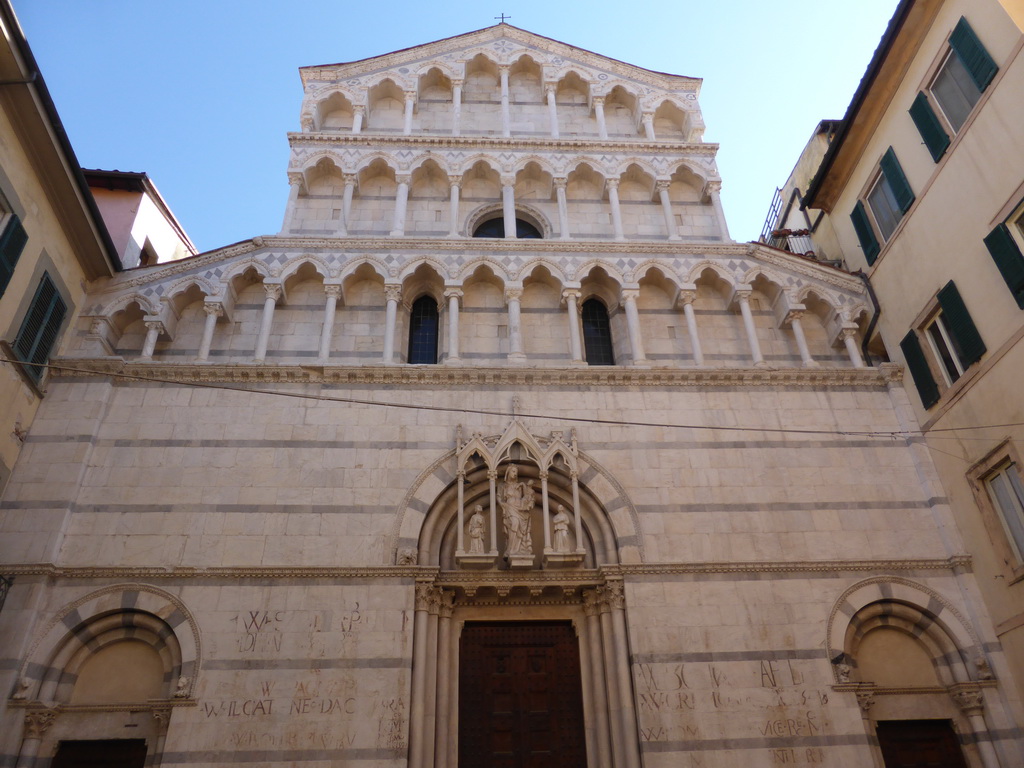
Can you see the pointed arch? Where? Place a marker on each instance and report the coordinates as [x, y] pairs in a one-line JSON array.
[[584, 271], [639, 272], [239, 268], [526, 270], [318, 263], [350, 267], [702, 266], [467, 269]]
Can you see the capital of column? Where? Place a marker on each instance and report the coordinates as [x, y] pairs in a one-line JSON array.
[[611, 183], [686, 297], [504, 68], [570, 294], [629, 294], [456, 83], [550, 87], [154, 325], [273, 290], [295, 179], [428, 597], [969, 698], [392, 293], [794, 314], [333, 291], [403, 178], [358, 109], [591, 602], [163, 720], [543, 474], [742, 293], [663, 184], [508, 181], [597, 101], [453, 293], [410, 95], [492, 474], [514, 293], [713, 187], [647, 117], [214, 308], [37, 721], [615, 595], [866, 699], [847, 333], [455, 184], [350, 178], [560, 182], [447, 604]]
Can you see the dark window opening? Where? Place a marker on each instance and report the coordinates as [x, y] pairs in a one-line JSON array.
[[423, 326], [597, 333], [496, 228]]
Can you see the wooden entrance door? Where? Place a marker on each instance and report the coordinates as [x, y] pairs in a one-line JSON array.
[[919, 744], [520, 698], [108, 753]]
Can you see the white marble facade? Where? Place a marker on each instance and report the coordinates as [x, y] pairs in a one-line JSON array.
[[241, 489]]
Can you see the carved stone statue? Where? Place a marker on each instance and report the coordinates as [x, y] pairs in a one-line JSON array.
[[517, 503], [844, 671], [560, 524], [181, 691], [477, 528]]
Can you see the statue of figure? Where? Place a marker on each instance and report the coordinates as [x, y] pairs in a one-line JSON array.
[[560, 522], [182, 689], [844, 671], [517, 503], [476, 531]]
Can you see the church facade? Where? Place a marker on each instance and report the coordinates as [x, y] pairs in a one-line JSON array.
[[500, 452]]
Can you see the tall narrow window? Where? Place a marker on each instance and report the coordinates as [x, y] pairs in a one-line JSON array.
[[1007, 493], [38, 334], [423, 325], [12, 242], [597, 333]]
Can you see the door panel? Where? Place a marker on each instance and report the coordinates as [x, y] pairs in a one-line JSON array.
[[108, 753], [919, 744], [520, 696]]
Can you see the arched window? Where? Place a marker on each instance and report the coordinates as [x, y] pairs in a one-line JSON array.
[[423, 332], [597, 333], [496, 228]]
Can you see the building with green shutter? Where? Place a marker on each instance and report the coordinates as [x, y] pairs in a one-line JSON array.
[[921, 189]]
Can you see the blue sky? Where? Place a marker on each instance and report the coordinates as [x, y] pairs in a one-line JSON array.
[[201, 93]]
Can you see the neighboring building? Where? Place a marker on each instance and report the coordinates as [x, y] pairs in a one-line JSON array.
[[923, 187], [51, 238], [501, 452], [144, 230]]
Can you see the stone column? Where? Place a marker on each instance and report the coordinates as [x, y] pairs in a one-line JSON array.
[[545, 510], [714, 189], [456, 107], [401, 203], [506, 118], [346, 203], [410, 105], [563, 207], [629, 297], [972, 704], [549, 89], [492, 481], [508, 205], [602, 129], [330, 308], [162, 717], [849, 337], [743, 297], [420, 704], [666, 209], [392, 294], [153, 329], [801, 341], [575, 476], [616, 598], [455, 187], [686, 298], [358, 110], [444, 672], [213, 310], [592, 610], [611, 680], [648, 120], [613, 201], [571, 297], [273, 291], [294, 188], [513, 293], [460, 532], [453, 295], [36, 723]]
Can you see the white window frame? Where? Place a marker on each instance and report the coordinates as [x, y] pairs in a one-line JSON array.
[[939, 323], [1000, 460], [879, 182], [933, 97]]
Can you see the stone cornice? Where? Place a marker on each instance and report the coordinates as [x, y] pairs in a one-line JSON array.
[[458, 377], [538, 578], [471, 143], [354, 247], [326, 73]]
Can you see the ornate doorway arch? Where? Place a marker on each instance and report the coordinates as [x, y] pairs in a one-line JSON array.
[[521, 531]]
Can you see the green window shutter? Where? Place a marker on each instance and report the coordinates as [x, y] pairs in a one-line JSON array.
[[866, 235], [919, 370], [897, 180], [934, 135], [12, 243], [38, 334], [1008, 259], [965, 334], [972, 53]]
